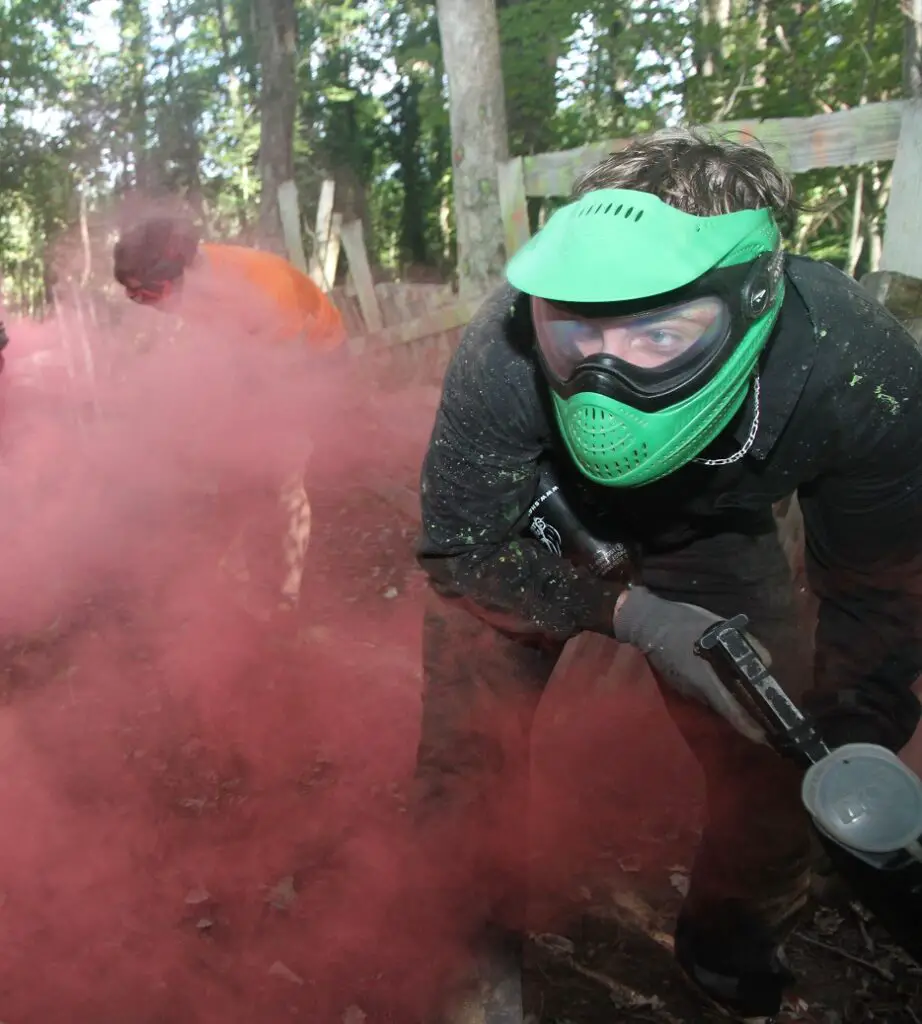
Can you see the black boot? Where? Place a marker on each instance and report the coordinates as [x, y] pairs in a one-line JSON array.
[[494, 992], [733, 962]]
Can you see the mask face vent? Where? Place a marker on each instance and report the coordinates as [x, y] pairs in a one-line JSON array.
[[607, 447], [612, 210]]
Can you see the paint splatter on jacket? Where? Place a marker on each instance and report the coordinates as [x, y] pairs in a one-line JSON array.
[[840, 426]]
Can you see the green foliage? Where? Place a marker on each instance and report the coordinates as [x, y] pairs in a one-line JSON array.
[[174, 107], [534, 35]]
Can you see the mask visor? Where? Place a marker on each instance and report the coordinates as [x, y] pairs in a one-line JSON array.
[[659, 341]]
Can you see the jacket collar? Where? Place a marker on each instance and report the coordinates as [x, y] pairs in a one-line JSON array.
[[785, 365]]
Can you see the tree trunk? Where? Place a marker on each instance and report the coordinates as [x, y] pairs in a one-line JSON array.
[[856, 236], [134, 57], [532, 37], [759, 76], [235, 100], [479, 137], [417, 201], [876, 193], [277, 30], [709, 89], [912, 48], [345, 163], [180, 149], [620, 64]]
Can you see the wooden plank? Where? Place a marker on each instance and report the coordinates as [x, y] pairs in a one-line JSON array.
[[902, 250], [844, 138], [513, 204], [323, 234], [331, 251], [353, 242], [553, 174], [290, 216], [349, 308], [459, 314]]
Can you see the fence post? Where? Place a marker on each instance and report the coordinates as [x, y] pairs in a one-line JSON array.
[[898, 283], [290, 216], [353, 242], [902, 252], [326, 238]]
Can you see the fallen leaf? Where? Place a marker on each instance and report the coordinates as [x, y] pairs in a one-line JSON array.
[[282, 895], [679, 882], [555, 943], [279, 970], [826, 921]]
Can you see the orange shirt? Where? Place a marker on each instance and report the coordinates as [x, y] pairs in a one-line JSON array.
[[302, 310]]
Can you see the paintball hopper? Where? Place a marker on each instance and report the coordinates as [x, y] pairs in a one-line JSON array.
[[865, 803]]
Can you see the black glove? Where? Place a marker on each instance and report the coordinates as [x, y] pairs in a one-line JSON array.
[[666, 632]]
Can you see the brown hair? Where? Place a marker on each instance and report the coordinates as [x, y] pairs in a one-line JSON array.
[[702, 174], [157, 249]]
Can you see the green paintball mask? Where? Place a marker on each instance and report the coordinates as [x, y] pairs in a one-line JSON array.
[[649, 323]]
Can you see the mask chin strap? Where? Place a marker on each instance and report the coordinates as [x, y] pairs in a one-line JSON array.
[[758, 294], [751, 437]]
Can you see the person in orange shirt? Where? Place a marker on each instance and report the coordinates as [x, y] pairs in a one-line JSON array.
[[161, 262]]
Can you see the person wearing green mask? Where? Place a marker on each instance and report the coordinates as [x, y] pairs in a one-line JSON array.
[[677, 374]]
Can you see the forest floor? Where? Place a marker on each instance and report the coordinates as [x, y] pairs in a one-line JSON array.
[[616, 965], [617, 853]]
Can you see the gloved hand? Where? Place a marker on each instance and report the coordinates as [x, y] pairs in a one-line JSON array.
[[666, 632]]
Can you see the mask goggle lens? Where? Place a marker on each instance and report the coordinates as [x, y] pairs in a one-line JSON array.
[[661, 339]]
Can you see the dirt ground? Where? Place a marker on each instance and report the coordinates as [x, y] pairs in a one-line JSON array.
[[610, 967], [605, 958]]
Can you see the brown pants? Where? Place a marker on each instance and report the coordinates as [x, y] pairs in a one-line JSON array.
[[755, 852]]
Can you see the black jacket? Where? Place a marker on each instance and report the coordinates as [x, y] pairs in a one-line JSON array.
[[840, 425]]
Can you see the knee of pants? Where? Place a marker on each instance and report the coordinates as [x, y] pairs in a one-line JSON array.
[[480, 690], [466, 655]]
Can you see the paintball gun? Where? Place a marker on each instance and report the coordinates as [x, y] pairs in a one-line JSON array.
[[551, 522], [866, 805]]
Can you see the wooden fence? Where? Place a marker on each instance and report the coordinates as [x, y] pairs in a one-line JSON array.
[[420, 326], [412, 329], [845, 138]]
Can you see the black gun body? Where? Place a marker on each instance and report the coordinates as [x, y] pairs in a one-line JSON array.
[[892, 893]]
